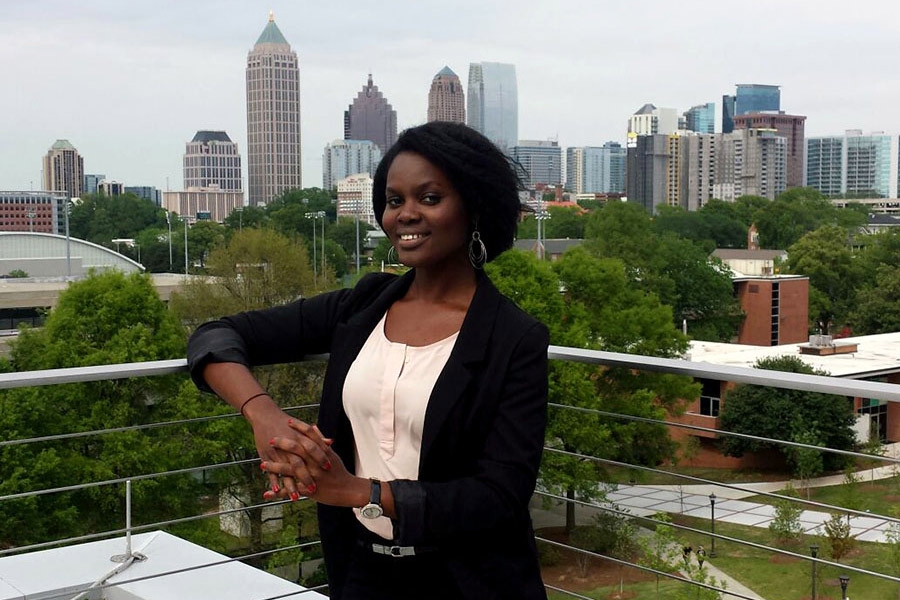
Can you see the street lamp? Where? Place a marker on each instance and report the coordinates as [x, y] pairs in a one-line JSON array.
[[31, 216], [712, 525], [814, 550], [540, 215], [169, 223], [185, 245], [68, 205], [845, 579], [312, 216]]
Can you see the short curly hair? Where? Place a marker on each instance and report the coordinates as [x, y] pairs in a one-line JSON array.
[[485, 178]]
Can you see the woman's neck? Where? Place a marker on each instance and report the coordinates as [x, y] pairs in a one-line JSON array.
[[443, 285]]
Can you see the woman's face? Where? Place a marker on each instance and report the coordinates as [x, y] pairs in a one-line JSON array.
[[424, 215]]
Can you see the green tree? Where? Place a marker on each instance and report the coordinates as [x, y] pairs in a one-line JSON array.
[[203, 237], [660, 551], [104, 319], [807, 463], [600, 309], [824, 256], [785, 525], [876, 309], [779, 413], [799, 211], [343, 233], [711, 226], [101, 219], [17, 274], [837, 533], [258, 268]]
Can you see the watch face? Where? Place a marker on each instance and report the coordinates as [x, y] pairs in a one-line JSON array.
[[371, 511]]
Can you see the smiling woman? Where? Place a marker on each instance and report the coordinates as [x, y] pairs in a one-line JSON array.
[[433, 407]]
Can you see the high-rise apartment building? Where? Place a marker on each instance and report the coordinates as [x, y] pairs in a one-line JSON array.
[[791, 127], [446, 100], [751, 162], [371, 117], [647, 170], [756, 97], [354, 198], [649, 120], [701, 118], [211, 159], [343, 158], [64, 169], [596, 169], [853, 164], [492, 107], [541, 161], [91, 181], [110, 188], [825, 164], [274, 158], [698, 164]]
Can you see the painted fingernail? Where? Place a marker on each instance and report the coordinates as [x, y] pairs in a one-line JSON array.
[[290, 421], [272, 442], [311, 488], [275, 488], [294, 496], [262, 465], [268, 495], [327, 465]]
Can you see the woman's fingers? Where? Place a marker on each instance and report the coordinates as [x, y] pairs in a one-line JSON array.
[[296, 477]]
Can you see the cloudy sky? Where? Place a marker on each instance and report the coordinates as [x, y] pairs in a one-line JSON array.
[[128, 82]]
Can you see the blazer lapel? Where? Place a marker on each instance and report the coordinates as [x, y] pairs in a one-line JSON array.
[[468, 352]]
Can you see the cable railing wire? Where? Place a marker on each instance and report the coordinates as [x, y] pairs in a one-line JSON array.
[[647, 569], [146, 426], [722, 537], [829, 507], [725, 433]]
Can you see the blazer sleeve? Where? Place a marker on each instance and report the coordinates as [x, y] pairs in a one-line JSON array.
[[496, 495], [275, 335]]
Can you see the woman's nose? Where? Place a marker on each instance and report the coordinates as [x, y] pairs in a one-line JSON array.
[[408, 212]]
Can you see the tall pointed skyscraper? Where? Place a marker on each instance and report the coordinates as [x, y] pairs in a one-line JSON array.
[[493, 105], [446, 101], [64, 169], [274, 160], [371, 117]]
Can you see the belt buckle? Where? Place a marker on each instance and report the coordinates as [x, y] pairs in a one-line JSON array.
[[398, 551]]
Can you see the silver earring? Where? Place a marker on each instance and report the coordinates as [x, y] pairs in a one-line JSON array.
[[392, 256], [477, 251]]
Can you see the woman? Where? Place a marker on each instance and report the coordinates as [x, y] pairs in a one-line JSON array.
[[433, 410]]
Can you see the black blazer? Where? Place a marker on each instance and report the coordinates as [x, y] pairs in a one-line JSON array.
[[483, 433]]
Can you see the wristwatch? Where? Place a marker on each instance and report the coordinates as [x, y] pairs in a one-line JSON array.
[[373, 509]]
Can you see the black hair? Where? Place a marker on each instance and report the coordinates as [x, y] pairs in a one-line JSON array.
[[485, 178]]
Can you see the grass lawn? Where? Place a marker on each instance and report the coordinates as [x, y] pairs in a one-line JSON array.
[[775, 577], [624, 476], [645, 590], [880, 497]]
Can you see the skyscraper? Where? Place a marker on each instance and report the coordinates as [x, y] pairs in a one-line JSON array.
[[371, 117], [343, 158], [728, 113], [541, 160], [756, 97], [649, 120], [853, 164], [701, 118], [211, 159], [64, 169], [791, 127], [274, 160], [446, 100], [596, 169], [493, 105]]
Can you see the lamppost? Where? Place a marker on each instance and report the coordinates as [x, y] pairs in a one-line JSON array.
[[712, 525], [68, 205], [814, 550], [315, 262], [31, 216], [357, 238], [541, 215], [169, 223], [185, 245], [845, 579]]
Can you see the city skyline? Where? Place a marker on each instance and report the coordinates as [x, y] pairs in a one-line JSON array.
[[579, 92]]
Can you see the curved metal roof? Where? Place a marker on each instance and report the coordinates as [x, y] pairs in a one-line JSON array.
[[27, 248]]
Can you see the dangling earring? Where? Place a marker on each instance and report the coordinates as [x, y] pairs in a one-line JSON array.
[[392, 256], [477, 251]]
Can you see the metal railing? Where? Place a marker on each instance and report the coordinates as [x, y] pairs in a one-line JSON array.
[[813, 383]]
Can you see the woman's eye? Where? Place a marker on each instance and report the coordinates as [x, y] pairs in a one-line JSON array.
[[394, 201], [431, 199]]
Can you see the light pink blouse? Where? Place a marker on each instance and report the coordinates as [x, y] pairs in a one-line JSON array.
[[385, 396]]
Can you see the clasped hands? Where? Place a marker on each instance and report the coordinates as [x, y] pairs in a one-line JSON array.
[[299, 462]]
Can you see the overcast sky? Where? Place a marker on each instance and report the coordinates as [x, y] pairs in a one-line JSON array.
[[129, 82]]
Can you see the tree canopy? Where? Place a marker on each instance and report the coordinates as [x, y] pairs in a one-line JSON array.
[[783, 414]]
